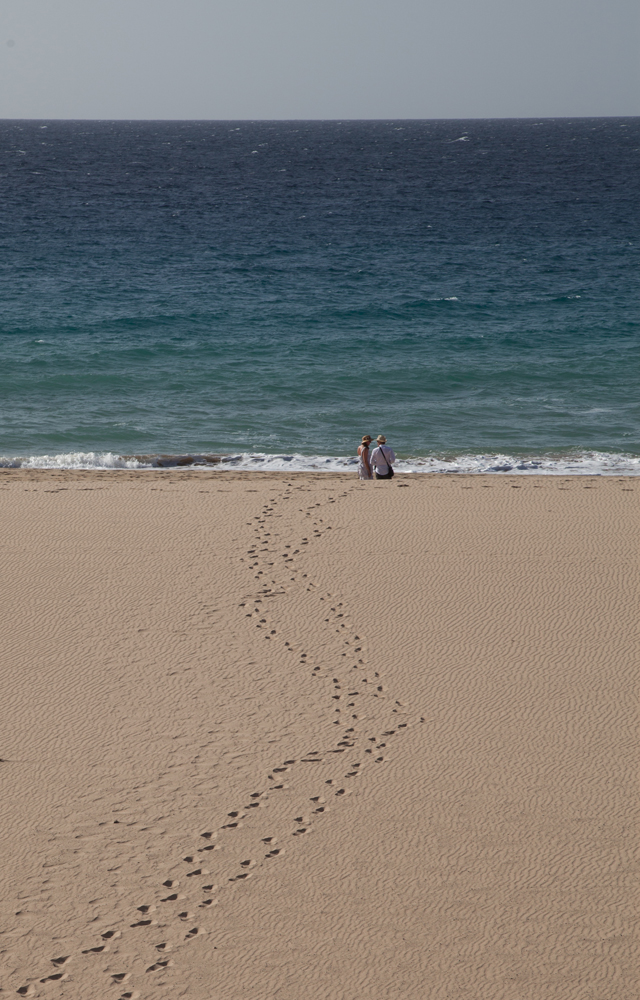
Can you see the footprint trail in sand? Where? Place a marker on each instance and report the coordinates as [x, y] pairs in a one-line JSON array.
[[368, 720]]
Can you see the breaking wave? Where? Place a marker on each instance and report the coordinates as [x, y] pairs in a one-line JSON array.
[[587, 463]]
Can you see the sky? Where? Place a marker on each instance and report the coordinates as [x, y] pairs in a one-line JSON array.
[[327, 59]]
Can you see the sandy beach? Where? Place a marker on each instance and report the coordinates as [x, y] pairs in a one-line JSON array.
[[269, 736]]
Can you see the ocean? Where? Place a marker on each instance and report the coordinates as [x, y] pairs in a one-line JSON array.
[[258, 295]]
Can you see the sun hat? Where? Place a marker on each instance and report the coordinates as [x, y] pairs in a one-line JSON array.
[[366, 437], [381, 439]]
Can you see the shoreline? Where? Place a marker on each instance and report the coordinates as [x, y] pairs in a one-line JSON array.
[[293, 733], [232, 475], [498, 463]]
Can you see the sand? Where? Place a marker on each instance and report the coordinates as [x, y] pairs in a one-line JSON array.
[[284, 737]]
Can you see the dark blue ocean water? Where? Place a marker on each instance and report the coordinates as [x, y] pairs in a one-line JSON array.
[[469, 288]]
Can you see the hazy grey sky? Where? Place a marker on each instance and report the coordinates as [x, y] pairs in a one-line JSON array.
[[318, 58]]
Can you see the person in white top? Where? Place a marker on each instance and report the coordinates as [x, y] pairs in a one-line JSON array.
[[364, 466], [382, 458]]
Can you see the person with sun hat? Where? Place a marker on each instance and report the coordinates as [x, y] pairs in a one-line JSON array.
[[364, 465], [382, 459]]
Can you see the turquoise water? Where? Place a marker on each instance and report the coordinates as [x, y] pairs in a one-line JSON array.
[[268, 292]]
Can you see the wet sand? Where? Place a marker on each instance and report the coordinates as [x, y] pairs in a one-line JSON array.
[[300, 736]]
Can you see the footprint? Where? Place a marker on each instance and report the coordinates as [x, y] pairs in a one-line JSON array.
[[159, 965], [191, 934], [121, 977], [171, 883], [88, 951], [61, 960]]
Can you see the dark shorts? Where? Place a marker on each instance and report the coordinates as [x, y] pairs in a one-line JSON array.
[[380, 475]]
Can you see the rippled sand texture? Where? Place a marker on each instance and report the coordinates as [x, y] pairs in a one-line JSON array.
[[269, 736]]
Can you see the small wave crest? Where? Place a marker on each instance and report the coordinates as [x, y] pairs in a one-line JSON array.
[[587, 463], [75, 460]]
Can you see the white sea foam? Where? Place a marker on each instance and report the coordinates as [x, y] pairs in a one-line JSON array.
[[75, 460], [587, 463]]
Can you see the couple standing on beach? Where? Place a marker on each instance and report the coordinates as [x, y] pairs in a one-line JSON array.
[[381, 459]]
